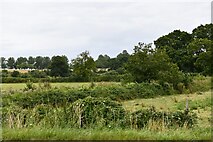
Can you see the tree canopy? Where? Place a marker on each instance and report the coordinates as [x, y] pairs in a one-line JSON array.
[[59, 66], [83, 67]]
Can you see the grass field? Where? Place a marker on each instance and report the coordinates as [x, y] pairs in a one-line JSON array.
[[19, 86], [200, 103], [169, 103]]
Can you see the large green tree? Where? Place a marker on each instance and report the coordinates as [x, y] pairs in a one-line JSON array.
[[147, 64], [59, 66], [83, 67], [200, 51], [45, 63], [175, 44], [21, 63], [203, 31], [31, 61], [38, 62], [102, 61]]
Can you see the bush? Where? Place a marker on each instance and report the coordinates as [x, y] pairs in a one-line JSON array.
[[142, 118], [38, 74], [60, 97], [96, 111], [92, 112], [15, 74], [4, 73]]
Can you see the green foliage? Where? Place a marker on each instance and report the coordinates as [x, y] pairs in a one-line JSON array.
[[147, 64], [191, 52], [108, 76], [38, 74], [15, 74], [59, 66], [97, 111], [203, 31], [91, 113], [83, 67], [3, 63], [175, 46], [143, 118], [11, 63], [102, 61], [196, 104], [29, 86], [4, 73], [21, 63], [45, 94]]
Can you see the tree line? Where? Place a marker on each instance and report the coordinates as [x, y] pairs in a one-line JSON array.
[[172, 56]]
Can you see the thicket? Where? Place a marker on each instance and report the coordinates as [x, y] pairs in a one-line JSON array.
[[31, 96], [45, 94], [91, 112]]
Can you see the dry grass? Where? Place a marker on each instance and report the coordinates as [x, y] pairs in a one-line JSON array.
[[169, 103], [166, 103], [19, 70]]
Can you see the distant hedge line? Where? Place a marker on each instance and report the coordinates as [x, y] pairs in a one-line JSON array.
[[114, 78]]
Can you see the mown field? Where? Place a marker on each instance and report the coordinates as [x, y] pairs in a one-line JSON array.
[[199, 103]]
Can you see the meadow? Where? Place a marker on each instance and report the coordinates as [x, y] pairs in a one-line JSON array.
[[14, 95]]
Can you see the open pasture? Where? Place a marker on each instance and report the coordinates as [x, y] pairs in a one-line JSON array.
[[20, 86]]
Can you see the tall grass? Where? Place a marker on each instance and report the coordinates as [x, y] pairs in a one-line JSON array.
[[38, 133]]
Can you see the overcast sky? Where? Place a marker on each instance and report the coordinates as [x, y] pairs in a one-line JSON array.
[[69, 27]]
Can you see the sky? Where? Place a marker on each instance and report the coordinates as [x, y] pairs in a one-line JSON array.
[[69, 27]]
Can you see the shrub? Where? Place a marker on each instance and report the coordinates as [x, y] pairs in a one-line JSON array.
[[29, 86], [96, 111], [15, 74], [141, 118]]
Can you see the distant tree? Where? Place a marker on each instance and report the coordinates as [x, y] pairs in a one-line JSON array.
[[21, 63], [46, 62], [102, 61], [83, 67], [3, 63], [11, 63], [59, 66], [31, 60], [113, 64], [122, 58], [38, 62]]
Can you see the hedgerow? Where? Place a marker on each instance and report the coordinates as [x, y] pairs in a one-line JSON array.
[[89, 113], [59, 97]]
